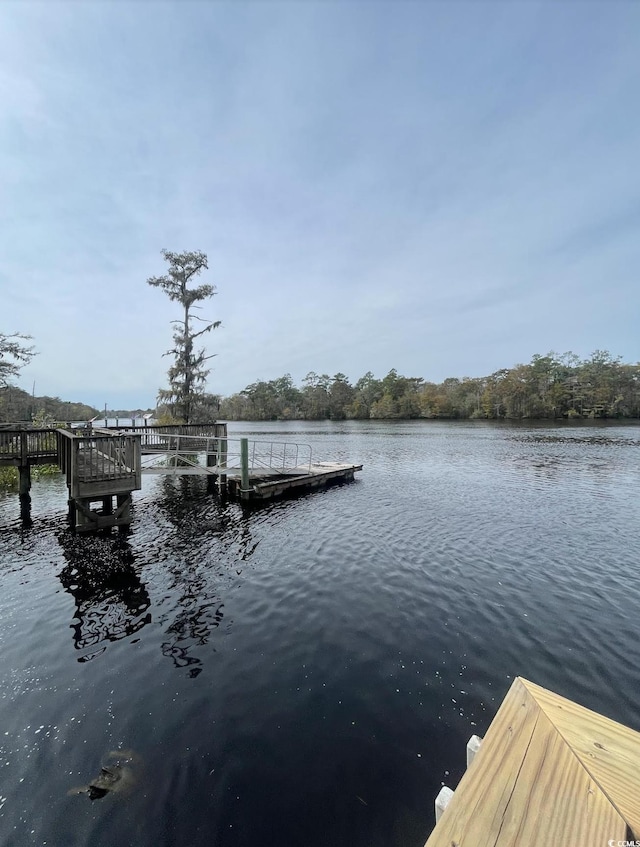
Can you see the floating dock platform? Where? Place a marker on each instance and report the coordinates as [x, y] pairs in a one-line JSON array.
[[264, 485], [549, 773], [249, 470]]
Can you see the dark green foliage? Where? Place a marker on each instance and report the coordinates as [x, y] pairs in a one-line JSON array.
[[264, 401], [548, 387], [39, 471], [8, 479], [205, 409]]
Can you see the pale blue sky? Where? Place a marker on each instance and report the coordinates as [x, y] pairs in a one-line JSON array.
[[443, 188]]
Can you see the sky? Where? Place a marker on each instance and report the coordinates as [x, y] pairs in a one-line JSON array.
[[443, 188]]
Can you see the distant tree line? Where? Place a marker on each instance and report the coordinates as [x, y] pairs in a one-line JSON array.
[[551, 386], [19, 405]]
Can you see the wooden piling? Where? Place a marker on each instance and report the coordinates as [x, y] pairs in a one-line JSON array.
[[244, 464], [24, 479], [212, 479], [222, 461], [24, 473]]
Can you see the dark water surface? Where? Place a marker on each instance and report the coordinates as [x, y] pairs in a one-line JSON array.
[[309, 674]]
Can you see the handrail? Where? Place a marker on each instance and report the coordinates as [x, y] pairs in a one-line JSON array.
[[217, 428], [23, 443], [11, 433], [263, 455], [95, 458], [101, 455]]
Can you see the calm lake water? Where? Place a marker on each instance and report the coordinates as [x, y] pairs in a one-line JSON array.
[[309, 674]]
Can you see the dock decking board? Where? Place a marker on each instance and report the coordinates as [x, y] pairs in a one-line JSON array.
[[609, 751], [549, 772]]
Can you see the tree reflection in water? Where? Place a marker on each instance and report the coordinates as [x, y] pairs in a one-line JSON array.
[[205, 536], [203, 544], [111, 601]]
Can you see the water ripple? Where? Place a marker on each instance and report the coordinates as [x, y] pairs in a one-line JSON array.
[[309, 673]]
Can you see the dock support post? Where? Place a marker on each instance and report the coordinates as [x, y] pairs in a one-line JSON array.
[[123, 502], [211, 478], [473, 745], [24, 488], [442, 801], [71, 504], [444, 797], [24, 472], [244, 464], [222, 462]]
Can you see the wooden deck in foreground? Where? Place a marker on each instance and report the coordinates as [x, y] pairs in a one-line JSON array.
[[549, 773]]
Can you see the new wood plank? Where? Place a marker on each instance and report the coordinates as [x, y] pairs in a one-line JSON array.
[[555, 801], [525, 787], [474, 816], [609, 751]]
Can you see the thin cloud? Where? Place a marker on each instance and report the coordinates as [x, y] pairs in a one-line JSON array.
[[441, 188]]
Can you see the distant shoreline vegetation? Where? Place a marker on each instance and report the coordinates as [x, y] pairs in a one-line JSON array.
[[18, 405], [549, 387]]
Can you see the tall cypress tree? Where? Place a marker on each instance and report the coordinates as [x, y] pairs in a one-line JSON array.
[[188, 374]]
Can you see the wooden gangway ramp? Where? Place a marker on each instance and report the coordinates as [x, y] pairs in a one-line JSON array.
[[249, 470], [549, 773]]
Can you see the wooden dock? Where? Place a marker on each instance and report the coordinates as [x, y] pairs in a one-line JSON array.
[[98, 468], [549, 773], [104, 466]]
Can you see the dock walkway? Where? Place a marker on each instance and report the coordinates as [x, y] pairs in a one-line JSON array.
[[101, 464], [549, 773]]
